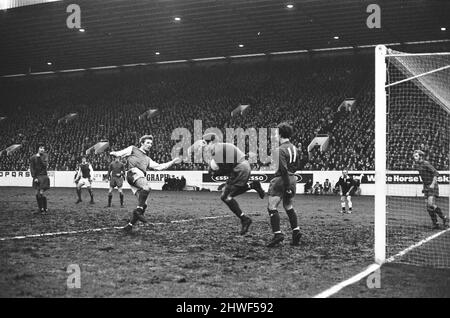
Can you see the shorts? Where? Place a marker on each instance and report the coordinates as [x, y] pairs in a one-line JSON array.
[[238, 178], [431, 192], [42, 184], [84, 182], [277, 188], [116, 182], [240, 175], [352, 193], [136, 179]]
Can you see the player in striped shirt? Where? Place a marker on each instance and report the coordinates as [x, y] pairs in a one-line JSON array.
[[283, 187], [84, 178]]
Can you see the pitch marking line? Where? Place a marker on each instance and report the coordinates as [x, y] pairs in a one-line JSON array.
[[21, 237], [336, 288], [372, 268], [406, 250]]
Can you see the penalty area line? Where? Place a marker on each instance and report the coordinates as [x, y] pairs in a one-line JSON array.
[[372, 268], [60, 233]]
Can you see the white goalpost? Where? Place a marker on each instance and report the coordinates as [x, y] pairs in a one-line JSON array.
[[412, 112]]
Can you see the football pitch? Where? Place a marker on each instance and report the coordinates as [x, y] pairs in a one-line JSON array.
[[192, 248]]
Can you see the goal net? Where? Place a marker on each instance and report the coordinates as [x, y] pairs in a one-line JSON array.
[[412, 105]]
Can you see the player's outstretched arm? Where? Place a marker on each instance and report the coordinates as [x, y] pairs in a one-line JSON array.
[[122, 153], [163, 166]]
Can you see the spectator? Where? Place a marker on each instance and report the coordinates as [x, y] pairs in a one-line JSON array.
[[327, 187], [108, 107], [308, 187], [183, 183], [317, 188]]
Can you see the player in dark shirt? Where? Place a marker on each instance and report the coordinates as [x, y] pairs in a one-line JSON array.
[[41, 182], [116, 175], [327, 187], [84, 178], [228, 160], [283, 187], [430, 188], [347, 188]]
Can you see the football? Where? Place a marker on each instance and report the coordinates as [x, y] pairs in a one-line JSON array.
[[213, 165]]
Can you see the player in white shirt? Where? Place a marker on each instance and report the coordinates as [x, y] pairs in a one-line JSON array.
[[138, 162]]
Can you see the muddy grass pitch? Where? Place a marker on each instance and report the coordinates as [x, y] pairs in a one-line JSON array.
[[192, 248]]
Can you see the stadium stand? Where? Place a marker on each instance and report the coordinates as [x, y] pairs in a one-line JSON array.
[[306, 93]]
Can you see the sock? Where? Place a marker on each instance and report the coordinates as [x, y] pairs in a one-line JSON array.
[[343, 206], [432, 213], [350, 204], [234, 207], [39, 202], [142, 197], [292, 218], [140, 209], [44, 202], [439, 212], [79, 194], [133, 219], [121, 199], [109, 199], [91, 194], [275, 221]]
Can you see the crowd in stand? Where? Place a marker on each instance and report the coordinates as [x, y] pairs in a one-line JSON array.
[[305, 93]]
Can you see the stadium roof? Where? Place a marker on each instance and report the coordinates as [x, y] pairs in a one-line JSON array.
[[36, 38]]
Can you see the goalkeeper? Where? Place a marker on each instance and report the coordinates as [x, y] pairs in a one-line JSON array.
[[430, 188], [228, 160]]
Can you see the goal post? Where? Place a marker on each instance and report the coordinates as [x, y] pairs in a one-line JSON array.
[[380, 154], [412, 111]]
